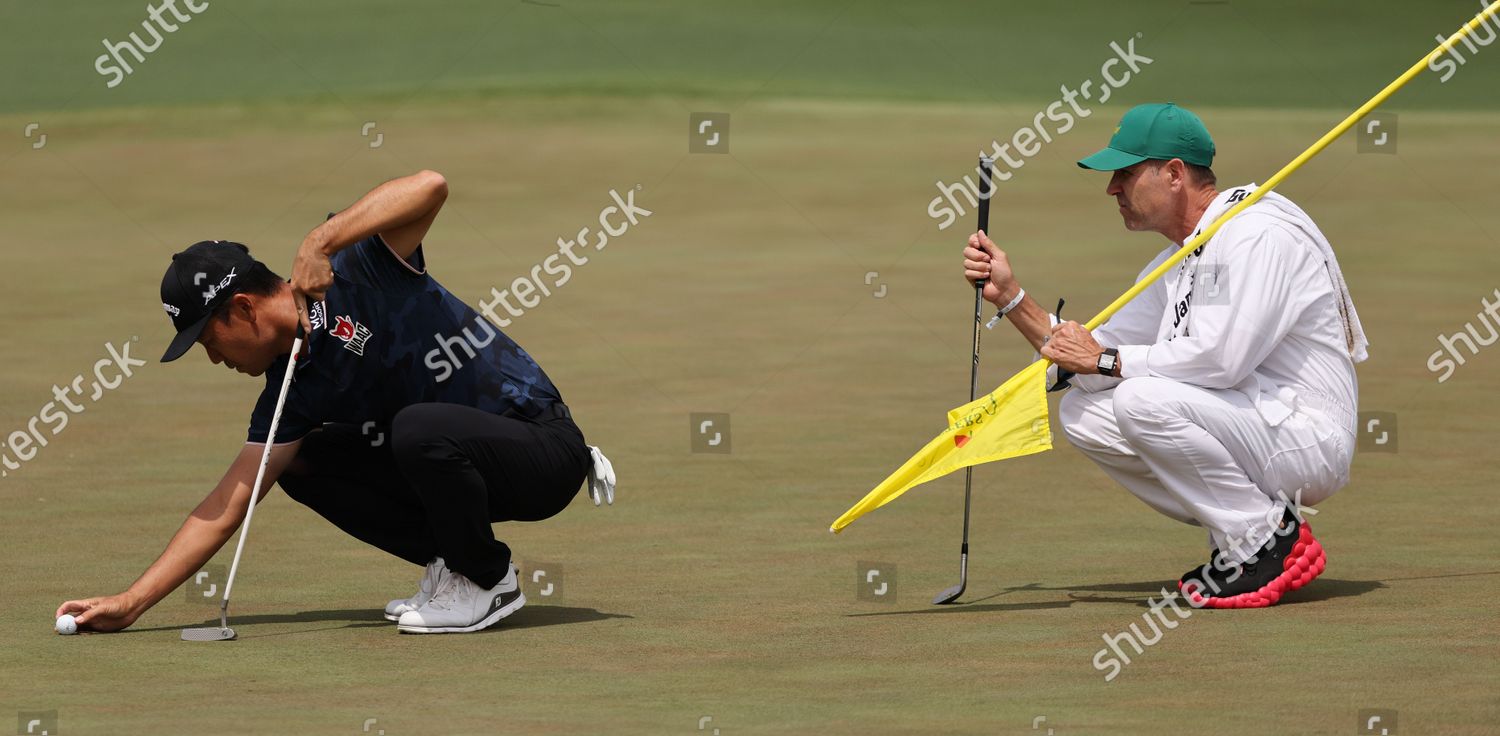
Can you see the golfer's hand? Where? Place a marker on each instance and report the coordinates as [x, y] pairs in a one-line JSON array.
[[1073, 348], [109, 613], [984, 261], [312, 274]]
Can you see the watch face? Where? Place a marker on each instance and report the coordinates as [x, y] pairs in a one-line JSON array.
[[1107, 363]]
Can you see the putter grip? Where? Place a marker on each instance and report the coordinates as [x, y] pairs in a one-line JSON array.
[[986, 170]]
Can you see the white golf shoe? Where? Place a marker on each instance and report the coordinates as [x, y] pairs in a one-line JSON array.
[[461, 605], [429, 584]]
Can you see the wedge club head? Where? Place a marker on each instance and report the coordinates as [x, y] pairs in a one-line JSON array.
[[948, 596]]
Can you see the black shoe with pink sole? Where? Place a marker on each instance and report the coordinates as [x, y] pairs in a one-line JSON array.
[[1290, 560]]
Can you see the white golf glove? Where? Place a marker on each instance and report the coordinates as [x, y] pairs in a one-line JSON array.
[[601, 478]]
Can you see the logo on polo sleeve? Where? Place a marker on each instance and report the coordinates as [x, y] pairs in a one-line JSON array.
[[354, 334]]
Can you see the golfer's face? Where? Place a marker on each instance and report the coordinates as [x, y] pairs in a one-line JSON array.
[[1136, 192], [233, 342]]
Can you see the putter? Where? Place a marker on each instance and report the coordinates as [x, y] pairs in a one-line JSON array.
[[950, 595], [223, 632]]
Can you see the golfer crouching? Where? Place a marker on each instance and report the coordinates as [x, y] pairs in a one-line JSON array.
[[412, 423]]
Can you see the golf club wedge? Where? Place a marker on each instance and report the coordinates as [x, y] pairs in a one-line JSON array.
[[223, 632], [950, 595]]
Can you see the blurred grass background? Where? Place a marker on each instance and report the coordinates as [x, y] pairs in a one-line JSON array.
[[713, 588]]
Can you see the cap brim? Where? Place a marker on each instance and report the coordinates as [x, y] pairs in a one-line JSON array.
[[1110, 159], [185, 339]]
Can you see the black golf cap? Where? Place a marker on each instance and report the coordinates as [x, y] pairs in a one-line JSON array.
[[200, 279]]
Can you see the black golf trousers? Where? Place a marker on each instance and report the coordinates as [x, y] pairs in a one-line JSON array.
[[431, 483]]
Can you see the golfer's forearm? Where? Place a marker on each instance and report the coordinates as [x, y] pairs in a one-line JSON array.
[[389, 206], [190, 549]]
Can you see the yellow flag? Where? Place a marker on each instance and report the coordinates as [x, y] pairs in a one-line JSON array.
[[1011, 421]]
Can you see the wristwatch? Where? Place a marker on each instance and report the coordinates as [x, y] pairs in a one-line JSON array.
[[1109, 362]]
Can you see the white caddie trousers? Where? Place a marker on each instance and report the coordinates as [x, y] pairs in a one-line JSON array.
[[1205, 456]]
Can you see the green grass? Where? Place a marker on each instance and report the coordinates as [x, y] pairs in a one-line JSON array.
[[713, 588], [1276, 53]]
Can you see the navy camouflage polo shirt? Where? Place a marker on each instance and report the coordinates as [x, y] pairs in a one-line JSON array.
[[386, 336]]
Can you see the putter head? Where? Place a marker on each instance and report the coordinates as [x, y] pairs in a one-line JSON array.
[[209, 633], [948, 596]]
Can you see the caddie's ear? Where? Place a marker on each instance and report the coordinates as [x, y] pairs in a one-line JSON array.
[[1176, 171]]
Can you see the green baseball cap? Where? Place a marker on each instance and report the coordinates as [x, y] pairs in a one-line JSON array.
[[1155, 131]]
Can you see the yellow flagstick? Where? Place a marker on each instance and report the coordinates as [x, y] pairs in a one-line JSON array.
[[940, 457], [1286, 171]]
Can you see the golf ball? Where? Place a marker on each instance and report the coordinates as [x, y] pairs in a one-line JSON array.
[[66, 624]]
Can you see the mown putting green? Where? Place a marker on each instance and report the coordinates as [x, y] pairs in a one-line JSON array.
[[712, 588]]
